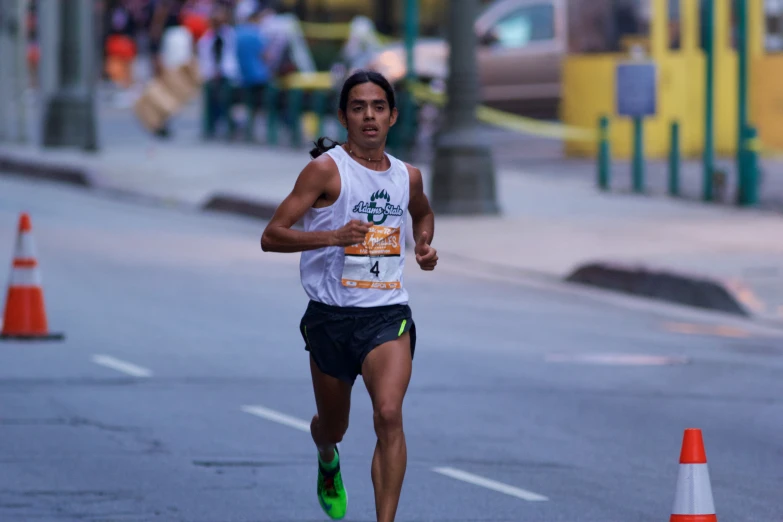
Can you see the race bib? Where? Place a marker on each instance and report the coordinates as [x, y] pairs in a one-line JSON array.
[[375, 263]]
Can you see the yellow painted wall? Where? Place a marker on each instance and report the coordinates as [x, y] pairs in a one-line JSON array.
[[766, 99], [589, 89], [589, 92]]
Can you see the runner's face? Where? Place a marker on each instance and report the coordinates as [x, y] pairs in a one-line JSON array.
[[368, 116]]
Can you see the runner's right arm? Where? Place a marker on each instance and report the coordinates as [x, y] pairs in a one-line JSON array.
[[313, 182]]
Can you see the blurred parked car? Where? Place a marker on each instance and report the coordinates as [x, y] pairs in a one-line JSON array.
[[521, 46]]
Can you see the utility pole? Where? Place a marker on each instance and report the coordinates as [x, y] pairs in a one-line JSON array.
[[68, 73], [463, 173], [6, 64]]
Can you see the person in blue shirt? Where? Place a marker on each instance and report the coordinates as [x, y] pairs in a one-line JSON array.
[[251, 49]]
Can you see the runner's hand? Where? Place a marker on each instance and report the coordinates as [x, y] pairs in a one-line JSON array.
[[352, 233], [426, 256]]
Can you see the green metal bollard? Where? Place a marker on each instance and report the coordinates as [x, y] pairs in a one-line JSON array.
[[206, 115], [708, 159], [748, 193], [342, 132], [603, 153], [319, 108], [271, 102], [250, 105], [638, 155], [742, 90], [295, 98], [674, 160]]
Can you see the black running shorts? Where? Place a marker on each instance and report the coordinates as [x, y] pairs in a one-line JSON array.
[[339, 338]]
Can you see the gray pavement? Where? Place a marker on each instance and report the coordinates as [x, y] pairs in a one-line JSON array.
[[578, 396]]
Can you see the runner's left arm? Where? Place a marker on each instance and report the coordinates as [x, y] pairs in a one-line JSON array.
[[423, 221]]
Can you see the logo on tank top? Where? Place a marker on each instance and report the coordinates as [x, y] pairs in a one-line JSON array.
[[378, 208]]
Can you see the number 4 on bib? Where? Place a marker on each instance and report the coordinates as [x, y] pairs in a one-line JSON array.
[[375, 263]]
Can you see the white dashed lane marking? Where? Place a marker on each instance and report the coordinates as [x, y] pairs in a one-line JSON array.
[[476, 480], [121, 366], [276, 416]]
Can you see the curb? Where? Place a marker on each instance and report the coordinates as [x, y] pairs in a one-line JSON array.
[[42, 170], [241, 206], [663, 284]]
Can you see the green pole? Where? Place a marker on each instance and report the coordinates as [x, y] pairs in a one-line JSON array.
[[603, 153], [748, 193], [272, 115], [295, 100], [742, 92], [709, 98], [319, 108], [638, 155], [404, 135], [408, 122], [674, 160]]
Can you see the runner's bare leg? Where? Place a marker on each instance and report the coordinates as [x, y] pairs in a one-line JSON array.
[[333, 401], [386, 373]]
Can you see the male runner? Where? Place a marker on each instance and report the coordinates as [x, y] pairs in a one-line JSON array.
[[353, 197]]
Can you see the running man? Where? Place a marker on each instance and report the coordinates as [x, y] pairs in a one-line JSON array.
[[353, 198]]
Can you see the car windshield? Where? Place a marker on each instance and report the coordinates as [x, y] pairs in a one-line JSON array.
[[524, 25]]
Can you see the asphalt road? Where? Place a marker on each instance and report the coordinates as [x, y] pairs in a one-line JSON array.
[[181, 332]]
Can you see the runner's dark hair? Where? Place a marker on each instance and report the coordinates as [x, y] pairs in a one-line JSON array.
[[357, 78]]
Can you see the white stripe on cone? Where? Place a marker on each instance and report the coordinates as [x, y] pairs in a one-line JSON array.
[[694, 493], [25, 277]]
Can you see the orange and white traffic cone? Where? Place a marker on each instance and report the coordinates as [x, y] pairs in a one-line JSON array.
[[693, 498], [25, 313]]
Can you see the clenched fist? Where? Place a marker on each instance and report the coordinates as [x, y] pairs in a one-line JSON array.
[[426, 256], [352, 233]]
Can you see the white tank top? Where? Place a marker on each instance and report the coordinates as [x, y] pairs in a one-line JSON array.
[[368, 274]]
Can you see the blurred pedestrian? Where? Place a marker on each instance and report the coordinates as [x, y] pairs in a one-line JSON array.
[[195, 16], [165, 14], [219, 68], [275, 31], [120, 43], [251, 48]]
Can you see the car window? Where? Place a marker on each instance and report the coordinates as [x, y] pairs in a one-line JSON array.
[[532, 23]]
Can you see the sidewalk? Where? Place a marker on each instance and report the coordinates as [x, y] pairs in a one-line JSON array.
[[549, 226], [554, 220]]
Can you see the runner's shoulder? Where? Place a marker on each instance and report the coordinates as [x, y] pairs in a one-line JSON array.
[[319, 171], [414, 175]]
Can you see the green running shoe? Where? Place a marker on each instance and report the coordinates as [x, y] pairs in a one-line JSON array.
[[331, 492]]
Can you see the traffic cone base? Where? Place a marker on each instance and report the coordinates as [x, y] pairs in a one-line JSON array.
[[693, 500], [25, 313]]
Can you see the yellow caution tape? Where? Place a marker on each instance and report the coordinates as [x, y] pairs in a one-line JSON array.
[[307, 81], [335, 31], [754, 145], [326, 31], [510, 121]]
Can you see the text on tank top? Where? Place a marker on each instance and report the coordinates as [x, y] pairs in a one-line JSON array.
[[381, 199]]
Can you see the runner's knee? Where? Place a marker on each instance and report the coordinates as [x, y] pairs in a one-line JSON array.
[[387, 418]]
